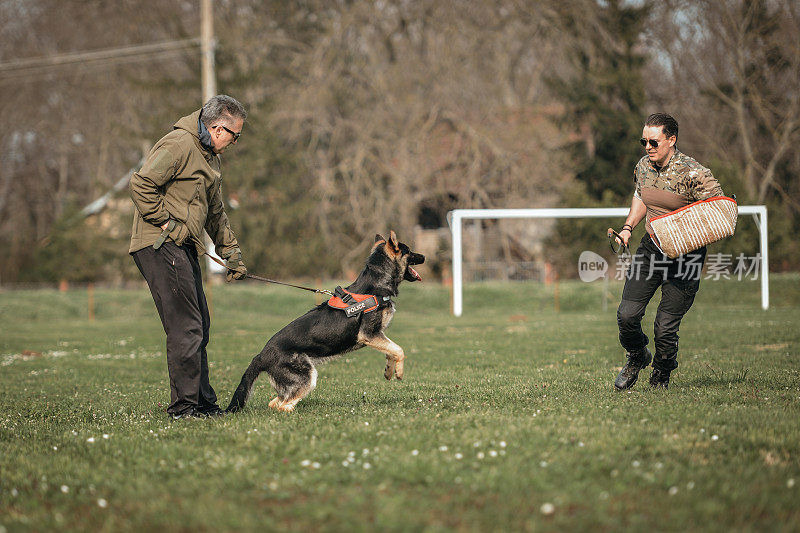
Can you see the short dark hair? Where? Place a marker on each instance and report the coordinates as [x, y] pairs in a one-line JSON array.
[[222, 107], [669, 124]]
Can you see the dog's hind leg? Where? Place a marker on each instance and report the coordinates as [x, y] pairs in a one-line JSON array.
[[242, 393], [394, 354], [294, 381]]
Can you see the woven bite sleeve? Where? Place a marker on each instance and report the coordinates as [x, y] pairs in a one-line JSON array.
[[696, 225]]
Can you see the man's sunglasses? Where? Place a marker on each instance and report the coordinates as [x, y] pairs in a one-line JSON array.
[[236, 135], [644, 142]]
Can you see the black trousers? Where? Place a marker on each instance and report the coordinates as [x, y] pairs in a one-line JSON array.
[[176, 283], [679, 280]]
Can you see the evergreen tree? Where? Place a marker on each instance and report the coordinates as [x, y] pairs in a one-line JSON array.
[[604, 97]]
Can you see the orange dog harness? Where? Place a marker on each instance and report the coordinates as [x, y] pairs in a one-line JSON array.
[[352, 304]]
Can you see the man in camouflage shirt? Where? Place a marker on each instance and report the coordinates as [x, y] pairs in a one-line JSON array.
[[665, 180]]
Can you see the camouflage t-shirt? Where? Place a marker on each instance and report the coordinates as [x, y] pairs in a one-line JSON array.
[[681, 182]]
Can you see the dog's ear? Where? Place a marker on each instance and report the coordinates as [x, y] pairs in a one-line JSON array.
[[393, 244], [379, 237]]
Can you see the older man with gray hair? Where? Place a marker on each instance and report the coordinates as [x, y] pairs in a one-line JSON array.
[[178, 197]]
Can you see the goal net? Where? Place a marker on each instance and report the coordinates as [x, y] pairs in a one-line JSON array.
[[487, 258]]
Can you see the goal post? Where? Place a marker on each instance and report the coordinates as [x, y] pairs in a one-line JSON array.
[[456, 217]]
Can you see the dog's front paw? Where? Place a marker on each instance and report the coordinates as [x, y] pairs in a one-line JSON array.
[[398, 371]]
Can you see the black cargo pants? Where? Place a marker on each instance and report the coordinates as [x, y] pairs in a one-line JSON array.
[[679, 280], [176, 283]]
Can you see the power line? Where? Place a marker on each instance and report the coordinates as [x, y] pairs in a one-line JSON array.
[[28, 65], [46, 72]]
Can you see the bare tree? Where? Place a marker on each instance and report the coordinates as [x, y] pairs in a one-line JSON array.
[[402, 103], [75, 126], [736, 64]]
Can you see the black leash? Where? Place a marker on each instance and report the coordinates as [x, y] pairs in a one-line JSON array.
[[259, 278]]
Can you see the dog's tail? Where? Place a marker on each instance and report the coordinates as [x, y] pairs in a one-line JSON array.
[[242, 393]]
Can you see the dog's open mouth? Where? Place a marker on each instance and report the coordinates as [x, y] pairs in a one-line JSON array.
[[411, 274]]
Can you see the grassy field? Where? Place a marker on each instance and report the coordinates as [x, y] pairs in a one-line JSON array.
[[506, 419]]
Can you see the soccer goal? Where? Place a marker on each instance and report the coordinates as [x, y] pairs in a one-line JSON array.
[[457, 217]]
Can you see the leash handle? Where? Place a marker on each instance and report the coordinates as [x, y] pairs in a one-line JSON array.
[[612, 238], [259, 278]]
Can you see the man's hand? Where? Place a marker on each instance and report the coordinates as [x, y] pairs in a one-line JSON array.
[[621, 239], [625, 234], [235, 266], [166, 229]]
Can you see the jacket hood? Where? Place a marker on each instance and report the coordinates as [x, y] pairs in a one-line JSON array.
[[195, 126], [189, 123]]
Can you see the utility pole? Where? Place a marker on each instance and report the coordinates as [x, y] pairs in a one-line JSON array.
[[207, 45], [209, 81]]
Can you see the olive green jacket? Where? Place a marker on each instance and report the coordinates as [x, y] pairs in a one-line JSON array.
[[181, 181]]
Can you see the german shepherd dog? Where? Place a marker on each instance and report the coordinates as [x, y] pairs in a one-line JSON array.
[[291, 355]]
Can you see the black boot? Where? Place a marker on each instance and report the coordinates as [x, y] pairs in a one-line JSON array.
[[630, 372], [190, 413], [213, 412], [659, 379]]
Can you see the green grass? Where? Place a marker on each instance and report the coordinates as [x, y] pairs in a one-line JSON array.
[[502, 411]]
